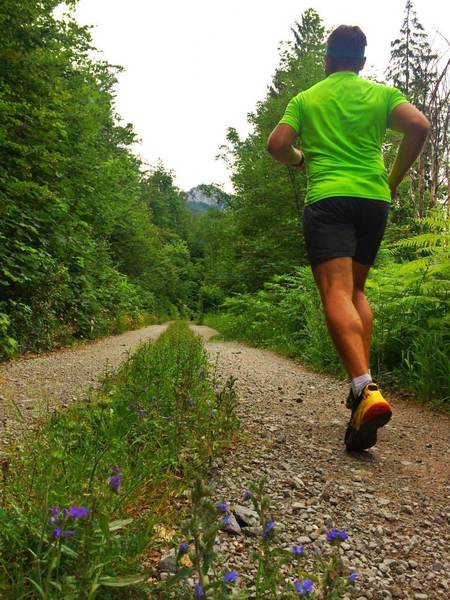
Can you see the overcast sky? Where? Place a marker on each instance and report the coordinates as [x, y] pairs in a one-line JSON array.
[[195, 67]]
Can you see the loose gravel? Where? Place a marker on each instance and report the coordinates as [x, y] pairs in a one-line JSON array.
[[31, 387], [393, 500]]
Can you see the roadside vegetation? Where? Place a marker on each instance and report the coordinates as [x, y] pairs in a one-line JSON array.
[[87, 497]]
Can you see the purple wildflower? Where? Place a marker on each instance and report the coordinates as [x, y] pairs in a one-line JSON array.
[[77, 512], [56, 533], [353, 577], [296, 550], [336, 535], [304, 587], [222, 506], [198, 591], [68, 533], [114, 482], [230, 577], [247, 494], [54, 511], [268, 529], [226, 520], [183, 548], [141, 412]]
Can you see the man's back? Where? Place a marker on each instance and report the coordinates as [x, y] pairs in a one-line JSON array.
[[341, 122]]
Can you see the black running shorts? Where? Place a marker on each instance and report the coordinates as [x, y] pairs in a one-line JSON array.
[[344, 226]]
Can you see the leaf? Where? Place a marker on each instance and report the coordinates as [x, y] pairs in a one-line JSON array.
[[37, 586], [119, 524], [121, 580], [69, 551]]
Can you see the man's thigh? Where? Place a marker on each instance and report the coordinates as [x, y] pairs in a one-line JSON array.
[[329, 229]]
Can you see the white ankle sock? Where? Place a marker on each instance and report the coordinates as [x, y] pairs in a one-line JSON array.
[[358, 383]]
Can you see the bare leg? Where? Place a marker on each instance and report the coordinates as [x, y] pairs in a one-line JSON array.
[[334, 279], [359, 299]]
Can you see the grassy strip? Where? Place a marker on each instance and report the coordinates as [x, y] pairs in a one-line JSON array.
[[81, 496]]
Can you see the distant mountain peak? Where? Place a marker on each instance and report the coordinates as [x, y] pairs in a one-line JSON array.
[[204, 196]]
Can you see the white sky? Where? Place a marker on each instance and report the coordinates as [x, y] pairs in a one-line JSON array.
[[195, 67]]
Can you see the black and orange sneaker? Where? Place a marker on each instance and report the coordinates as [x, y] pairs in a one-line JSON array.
[[370, 411]]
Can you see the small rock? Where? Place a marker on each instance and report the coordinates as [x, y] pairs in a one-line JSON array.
[[246, 517], [232, 526], [168, 562], [252, 531]]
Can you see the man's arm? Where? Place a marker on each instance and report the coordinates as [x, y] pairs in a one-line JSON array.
[[415, 127], [280, 145]]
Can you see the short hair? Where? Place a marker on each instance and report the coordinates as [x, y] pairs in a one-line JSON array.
[[346, 46]]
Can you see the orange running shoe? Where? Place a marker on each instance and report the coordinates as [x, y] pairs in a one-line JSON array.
[[369, 412]]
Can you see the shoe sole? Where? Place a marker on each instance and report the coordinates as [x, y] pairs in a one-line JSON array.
[[366, 436]]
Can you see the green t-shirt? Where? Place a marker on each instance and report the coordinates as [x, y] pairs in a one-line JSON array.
[[341, 122]]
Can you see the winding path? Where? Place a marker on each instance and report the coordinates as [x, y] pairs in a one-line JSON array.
[[393, 500]]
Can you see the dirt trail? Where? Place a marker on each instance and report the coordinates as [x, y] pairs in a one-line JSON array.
[[33, 386], [393, 500]]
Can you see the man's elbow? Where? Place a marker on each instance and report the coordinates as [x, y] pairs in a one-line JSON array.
[[274, 146]]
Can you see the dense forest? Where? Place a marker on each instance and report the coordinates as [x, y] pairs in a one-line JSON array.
[[94, 241]]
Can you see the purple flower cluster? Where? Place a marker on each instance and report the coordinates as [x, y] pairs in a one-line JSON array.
[[115, 480], [58, 532], [74, 512], [198, 591], [247, 494], [222, 506], [336, 535], [304, 586], [183, 548], [297, 550], [230, 577], [353, 577], [268, 530]]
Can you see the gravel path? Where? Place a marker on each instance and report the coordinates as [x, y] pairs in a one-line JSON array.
[[393, 500], [32, 387]]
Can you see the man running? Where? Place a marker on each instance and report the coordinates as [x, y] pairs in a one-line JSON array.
[[341, 122]]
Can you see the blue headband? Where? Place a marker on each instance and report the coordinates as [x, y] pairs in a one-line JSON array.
[[353, 54]]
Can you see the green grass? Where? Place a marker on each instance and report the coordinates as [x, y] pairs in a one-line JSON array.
[[159, 422]]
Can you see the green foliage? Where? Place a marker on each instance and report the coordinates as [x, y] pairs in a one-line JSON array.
[[263, 221], [412, 302], [286, 316], [156, 423], [86, 240]]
